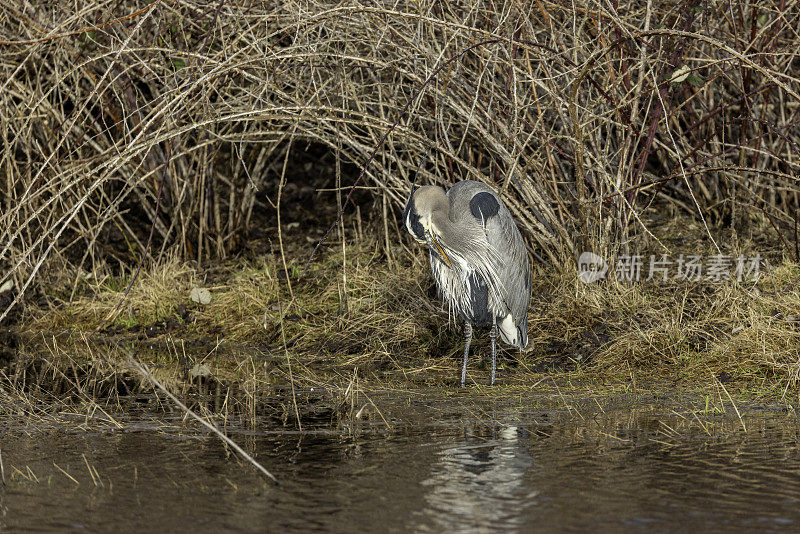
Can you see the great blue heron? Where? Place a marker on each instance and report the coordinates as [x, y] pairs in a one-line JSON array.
[[477, 257]]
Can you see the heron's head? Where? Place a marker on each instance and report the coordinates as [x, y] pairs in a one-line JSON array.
[[425, 206]]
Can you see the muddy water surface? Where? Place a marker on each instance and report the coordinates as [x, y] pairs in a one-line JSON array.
[[458, 464]]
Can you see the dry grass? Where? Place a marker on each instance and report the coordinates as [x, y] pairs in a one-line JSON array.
[[383, 311]]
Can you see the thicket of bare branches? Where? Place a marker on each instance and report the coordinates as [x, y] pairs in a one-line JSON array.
[[579, 113]]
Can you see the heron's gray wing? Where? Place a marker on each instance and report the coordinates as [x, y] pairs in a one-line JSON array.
[[476, 203], [504, 236]]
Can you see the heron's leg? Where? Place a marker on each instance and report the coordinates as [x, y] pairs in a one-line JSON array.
[[493, 337], [467, 341]]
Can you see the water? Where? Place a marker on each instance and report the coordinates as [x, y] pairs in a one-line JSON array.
[[454, 465]]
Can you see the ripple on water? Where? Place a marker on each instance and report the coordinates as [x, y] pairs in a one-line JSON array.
[[440, 468]]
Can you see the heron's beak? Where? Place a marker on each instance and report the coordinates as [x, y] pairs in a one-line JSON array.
[[433, 242]]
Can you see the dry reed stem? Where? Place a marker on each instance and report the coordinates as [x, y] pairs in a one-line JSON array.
[[212, 427]]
